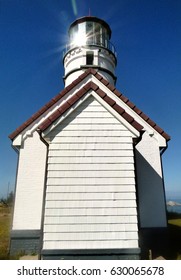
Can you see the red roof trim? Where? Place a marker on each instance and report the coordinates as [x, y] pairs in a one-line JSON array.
[[76, 97], [81, 93]]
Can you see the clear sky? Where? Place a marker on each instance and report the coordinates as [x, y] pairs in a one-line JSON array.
[[147, 36]]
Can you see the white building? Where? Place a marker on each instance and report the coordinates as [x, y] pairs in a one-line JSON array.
[[89, 180]]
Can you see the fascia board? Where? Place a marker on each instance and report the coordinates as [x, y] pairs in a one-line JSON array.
[[34, 125], [132, 130], [116, 115], [65, 115], [161, 140]]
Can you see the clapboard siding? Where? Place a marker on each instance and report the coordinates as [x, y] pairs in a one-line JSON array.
[[82, 236], [91, 188], [91, 153], [88, 134], [90, 146], [90, 173], [92, 166], [90, 220], [87, 160], [89, 203], [90, 181], [91, 227], [101, 244], [90, 211], [90, 197]]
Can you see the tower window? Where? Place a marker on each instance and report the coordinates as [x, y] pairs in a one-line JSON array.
[[89, 58]]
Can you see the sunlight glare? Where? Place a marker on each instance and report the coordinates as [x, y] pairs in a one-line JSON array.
[[80, 39]]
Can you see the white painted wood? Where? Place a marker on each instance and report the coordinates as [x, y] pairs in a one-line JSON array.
[[89, 174], [87, 160], [104, 244], [94, 126], [91, 220], [89, 196], [90, 211], [91, 139], [90, 204], [90, 181], [91, 227], [92, 166], [118, 134], [91, 146], [91, 188], [91, 153], [91, 236]]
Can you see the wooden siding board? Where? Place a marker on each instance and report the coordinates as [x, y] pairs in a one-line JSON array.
[[91, 139], [91, 173], [91, 188], [89, 196], [88, 167], [91, 211], [81, 236], [91, 153], [91, 244], [90, 204], [90, 220], [90, 182], [88, 134], [87, 160], [90, 227], [91, 126], [91, 146]]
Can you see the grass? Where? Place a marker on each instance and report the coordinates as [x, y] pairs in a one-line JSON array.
[[174, 227], [172, 252], [5, 222]]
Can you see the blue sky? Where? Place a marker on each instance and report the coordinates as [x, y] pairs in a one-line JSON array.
[[147, 36]]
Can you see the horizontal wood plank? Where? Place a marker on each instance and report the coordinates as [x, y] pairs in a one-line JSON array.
[[91, 188], [91, 204], [91, 212], [91, 227], [89, 174], [89, 196], [83, 236], [91, 220], [90, 244], [87, 160], [90, 146], [91, 167], [90, 181], [91, 153]]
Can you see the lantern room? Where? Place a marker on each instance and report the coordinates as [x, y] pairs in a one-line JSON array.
[[89, 45]]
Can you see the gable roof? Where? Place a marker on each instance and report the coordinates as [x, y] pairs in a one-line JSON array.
[[90, 85]]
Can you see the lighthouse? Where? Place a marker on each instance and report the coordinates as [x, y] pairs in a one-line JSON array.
[[89, 180]]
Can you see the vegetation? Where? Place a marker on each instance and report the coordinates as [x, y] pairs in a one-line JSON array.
[[174, 227], [5, 221], [5, 224]]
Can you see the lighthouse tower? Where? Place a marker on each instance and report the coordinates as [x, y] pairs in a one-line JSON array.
[[89, 46], [89, 180]]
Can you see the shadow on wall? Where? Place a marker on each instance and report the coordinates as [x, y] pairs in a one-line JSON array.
[[153, 234], [151, 194]]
